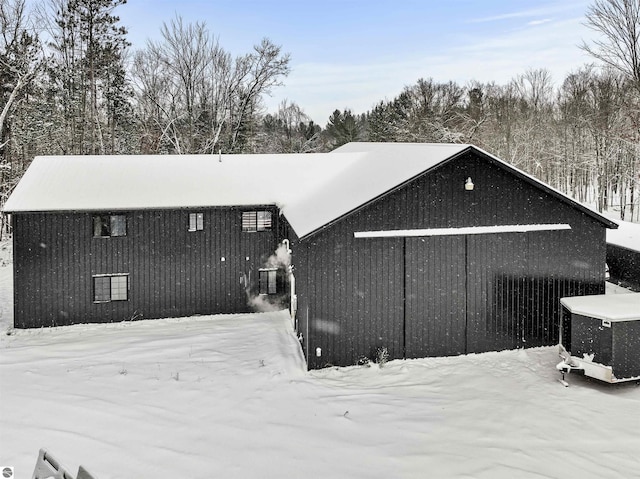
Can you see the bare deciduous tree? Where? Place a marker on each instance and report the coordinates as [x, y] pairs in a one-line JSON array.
[[618, 21], [201, 98]]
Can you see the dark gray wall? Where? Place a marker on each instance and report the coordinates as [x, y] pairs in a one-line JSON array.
[[624, 266], [440, 296], [172, 272]]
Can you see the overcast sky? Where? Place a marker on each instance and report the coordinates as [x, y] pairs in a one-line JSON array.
[[354, 53]]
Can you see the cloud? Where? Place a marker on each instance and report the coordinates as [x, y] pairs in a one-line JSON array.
[[539, 22], [507, 16], [550, 10], [489, 55]]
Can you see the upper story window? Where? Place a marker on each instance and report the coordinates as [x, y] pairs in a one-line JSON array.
[[256, 221], [196, 221], [105, 226]]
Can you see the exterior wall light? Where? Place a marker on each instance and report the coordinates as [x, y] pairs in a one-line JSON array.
[[468, 184]]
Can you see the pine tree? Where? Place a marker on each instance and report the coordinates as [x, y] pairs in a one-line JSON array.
[[87, 77], [342, 128]]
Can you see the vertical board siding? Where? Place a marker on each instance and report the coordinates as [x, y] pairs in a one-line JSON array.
[[172, 271], [624, 266], [353, 296], [495, 284], [454, 294], [435, 288]]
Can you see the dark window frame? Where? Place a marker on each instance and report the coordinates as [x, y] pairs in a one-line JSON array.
[[109, 225], [108, 288], [256, 221], [268, 281]]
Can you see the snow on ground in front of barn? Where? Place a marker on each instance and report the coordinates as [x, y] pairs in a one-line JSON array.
[[228, 396]]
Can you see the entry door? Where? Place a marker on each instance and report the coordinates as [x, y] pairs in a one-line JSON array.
[[435, 296]]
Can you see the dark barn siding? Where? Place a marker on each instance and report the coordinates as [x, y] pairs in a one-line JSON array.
[[435, 313], [172, 271], [624, 266], [416, 296]]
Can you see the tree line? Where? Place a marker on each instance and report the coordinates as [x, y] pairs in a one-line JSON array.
[[70, 84]]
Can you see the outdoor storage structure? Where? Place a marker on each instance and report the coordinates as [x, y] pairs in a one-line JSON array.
[[602, 335], [438, 250], [404, 250]]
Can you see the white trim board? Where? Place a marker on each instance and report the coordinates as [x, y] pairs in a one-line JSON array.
[[470, 230]]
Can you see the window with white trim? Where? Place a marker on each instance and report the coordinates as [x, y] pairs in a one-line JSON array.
[[110, 287], [267, 281], [253, 221], [196, 221], [105, 226]]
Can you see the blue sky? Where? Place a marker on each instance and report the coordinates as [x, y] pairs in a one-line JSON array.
[[354, 53]]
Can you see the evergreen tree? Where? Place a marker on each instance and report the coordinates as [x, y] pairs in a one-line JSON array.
[[87, 76], [343, 128], [21, 63]]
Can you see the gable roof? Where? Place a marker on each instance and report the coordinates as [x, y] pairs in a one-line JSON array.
[[127, 182], [383, 167], [311, 190]]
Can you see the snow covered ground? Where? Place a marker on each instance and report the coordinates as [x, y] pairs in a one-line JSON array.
[[228, 396]]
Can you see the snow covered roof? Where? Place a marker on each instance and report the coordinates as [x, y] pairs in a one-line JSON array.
[[613, 307], [125, 182], [311, 190], [383, 167], [627, 235]]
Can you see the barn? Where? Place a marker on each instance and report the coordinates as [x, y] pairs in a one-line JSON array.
[[406, 250]]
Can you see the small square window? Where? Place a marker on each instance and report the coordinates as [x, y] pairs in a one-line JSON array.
[[267, 279], [105, 226], [196, 221], [253, 221], [110, 288]]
